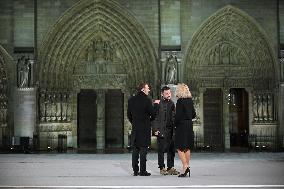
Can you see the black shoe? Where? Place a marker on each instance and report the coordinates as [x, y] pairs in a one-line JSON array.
[[145, 173], [185, 173], [135, 173]]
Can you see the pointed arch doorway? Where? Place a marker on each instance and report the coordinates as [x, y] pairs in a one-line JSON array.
[[230, 50], [93, 46]]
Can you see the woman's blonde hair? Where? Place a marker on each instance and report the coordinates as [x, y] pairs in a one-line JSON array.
[[182, 91]]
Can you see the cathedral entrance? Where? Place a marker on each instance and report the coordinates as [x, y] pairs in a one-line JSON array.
[[212, 106], [239, 121], [87, 118]]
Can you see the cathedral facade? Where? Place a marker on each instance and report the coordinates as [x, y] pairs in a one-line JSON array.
[[68, 68]]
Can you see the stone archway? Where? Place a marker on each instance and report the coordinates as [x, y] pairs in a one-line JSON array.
[[238, 54], [6, 83], [236, 50], [70, 39], [95, 45]]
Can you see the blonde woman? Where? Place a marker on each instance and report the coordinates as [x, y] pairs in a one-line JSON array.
[[184, 138]]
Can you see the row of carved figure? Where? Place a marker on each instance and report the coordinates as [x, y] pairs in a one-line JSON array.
[[3, 116], [263, 107], [3, 108], [196, 103], [54, 107]]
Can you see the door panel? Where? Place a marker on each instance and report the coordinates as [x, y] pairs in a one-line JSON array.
[[114, 119], [238, 117], [212, 106], [87, 118]]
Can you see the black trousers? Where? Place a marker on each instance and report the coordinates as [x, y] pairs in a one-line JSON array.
[[136, 151], [166, 145]]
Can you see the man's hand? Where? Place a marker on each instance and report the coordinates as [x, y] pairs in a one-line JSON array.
[[157, 133], [156, 101]]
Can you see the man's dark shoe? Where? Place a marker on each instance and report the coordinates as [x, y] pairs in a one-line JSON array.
[[135, 173], [145, 173]]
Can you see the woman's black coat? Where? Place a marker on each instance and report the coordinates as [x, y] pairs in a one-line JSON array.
[[140, 112], [185, 112]]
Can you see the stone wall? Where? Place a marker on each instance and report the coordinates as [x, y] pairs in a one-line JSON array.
[[6, 26], [281, 22], [17, 18], [170, 23]]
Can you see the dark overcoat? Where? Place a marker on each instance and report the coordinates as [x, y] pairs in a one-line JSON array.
[[140, 113], [185, 112], [164, 120]]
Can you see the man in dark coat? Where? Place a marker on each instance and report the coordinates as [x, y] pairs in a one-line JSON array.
[[163, 127], [140, 112]]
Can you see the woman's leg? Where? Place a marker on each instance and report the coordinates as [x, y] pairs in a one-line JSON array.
[[182, 157], [187, 157]]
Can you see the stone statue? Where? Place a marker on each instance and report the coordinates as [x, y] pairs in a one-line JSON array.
[[53, 107], [197, 108], [58, 107], [24, 72], [260, 107], [255, 108], [64, 107], [48, 107], [99, 49], [265, 105], [171, 70], [68, 107], [42, 106], [270, 107]]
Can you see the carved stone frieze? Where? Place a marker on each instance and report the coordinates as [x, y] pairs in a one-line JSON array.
[[100, 81], [54, 127], [225, 82]]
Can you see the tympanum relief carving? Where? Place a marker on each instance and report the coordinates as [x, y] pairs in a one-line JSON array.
[[101, 66]]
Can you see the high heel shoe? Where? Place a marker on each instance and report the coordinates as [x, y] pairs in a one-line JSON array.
[[185, 173]]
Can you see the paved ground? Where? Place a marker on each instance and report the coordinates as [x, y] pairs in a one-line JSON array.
[[209, 170]]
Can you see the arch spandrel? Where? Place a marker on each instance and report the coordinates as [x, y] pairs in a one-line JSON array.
[[239, 31]]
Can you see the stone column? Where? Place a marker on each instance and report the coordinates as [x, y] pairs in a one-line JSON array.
[[201, 111], [250, 109], [74, 120], [127, 124], [25, 112], [100, 119], [226, 125], [281, 114]]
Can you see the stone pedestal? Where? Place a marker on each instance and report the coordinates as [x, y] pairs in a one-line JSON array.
[[24, 112]]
